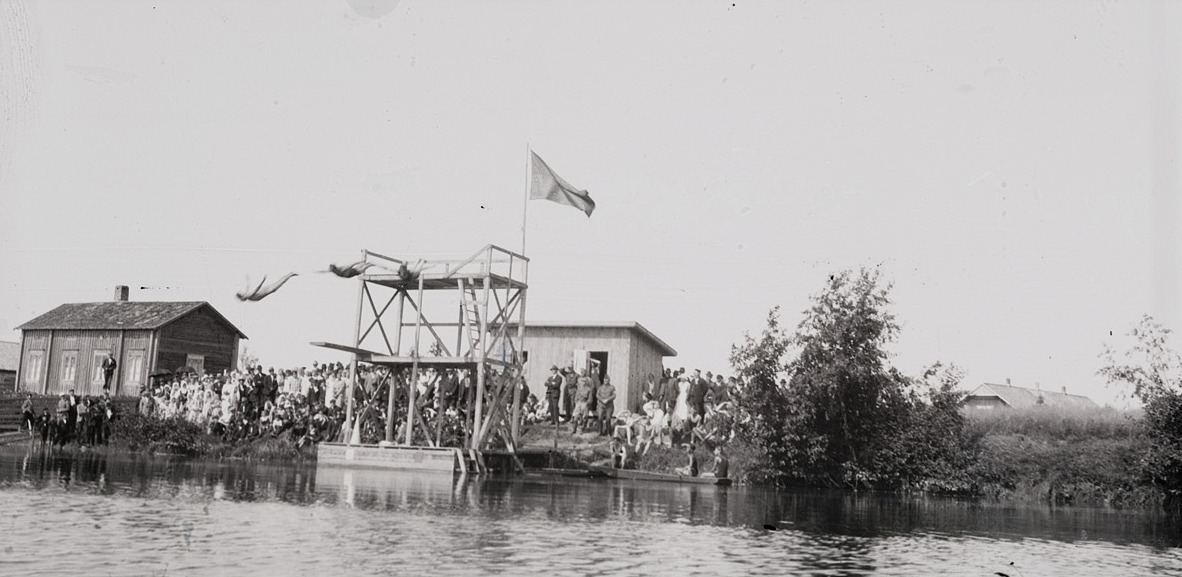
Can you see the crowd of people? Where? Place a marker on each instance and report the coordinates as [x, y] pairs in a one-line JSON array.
[[677, 409], [83, 420], [302, 403], [307, 405]]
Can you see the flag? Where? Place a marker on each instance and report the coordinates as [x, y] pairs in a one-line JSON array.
[[545, 184]]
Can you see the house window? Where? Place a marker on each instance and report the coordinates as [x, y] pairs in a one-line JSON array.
[[96, 366], [196, 362], [34, 363], [134, 372], [69, 367]]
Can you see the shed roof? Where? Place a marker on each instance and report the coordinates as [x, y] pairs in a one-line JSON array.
[[1021, 397], [665, 349], [117, 315], [10, 354]]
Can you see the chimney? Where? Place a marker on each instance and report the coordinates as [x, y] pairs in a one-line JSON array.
[[1007, 381], [121, 293], [1037, 386], [1064, 389]]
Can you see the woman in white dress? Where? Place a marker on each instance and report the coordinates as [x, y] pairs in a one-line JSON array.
[[681, 407]]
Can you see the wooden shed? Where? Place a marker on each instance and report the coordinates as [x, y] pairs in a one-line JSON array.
[[10, 354], [626, 351], [64, 348]]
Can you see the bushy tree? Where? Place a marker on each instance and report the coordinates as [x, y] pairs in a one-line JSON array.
[[1153, 370], [837, 413], [763, 407]]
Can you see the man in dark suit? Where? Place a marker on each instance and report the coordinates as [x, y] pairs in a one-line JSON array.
[[697, 394], [553, 392], [109, 365], [668, 395]]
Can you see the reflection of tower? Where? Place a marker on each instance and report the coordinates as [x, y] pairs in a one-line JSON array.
[[447, 314]]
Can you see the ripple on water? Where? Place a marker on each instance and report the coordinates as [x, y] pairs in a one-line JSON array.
[[207, 518]]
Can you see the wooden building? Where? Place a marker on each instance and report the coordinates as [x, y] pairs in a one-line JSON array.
[[991, 396], [10, 354], [627, 352], [64, 348]]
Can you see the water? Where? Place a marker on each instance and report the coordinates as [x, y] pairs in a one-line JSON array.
[[89, 514]]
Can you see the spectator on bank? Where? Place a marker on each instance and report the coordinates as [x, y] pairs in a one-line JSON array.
[[691, 468], [554, 386], [606, 395], [570, 386], [108, 367], [27, 413], [582, 409]]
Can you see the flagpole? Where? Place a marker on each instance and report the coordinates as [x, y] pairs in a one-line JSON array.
[[525, 201]]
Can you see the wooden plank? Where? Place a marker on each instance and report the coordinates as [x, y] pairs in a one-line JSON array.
[[345, 348], [653, 476]]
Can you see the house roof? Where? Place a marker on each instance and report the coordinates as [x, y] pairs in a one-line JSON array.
[[665, 349], [117, 315], [10, 354], [1021, 398]]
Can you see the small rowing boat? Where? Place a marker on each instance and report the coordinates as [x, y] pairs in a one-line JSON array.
[[651, 476]]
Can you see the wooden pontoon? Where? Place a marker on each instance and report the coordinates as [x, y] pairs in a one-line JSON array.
[[651, 476]]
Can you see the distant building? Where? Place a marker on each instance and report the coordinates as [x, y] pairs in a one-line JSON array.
[[626, 351], [64, 348], [990, 396], [10, 354]]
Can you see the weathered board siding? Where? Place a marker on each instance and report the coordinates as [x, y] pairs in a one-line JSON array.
[[197, 333], [82, 345], [630, 357], [646, 360], [135, 344]]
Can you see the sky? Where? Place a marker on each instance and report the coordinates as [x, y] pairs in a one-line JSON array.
[[1011, 167]]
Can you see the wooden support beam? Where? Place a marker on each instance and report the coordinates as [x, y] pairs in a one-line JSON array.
[[420, 318], [378, 318]]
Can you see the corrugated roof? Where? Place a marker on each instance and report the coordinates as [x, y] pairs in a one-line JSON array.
[[10, 355], [116, 315], [1022, 398], [666, 350]]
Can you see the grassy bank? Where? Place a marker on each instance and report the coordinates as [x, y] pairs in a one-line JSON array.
[[1082, 457], [153, 436]]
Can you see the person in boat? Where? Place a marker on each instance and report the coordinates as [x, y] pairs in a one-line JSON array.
[[691, 468], [721, 465]]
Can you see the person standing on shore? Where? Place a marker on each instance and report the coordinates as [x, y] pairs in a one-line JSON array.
[[109, 366], [553, 392], [570, 385], [606, 395], [27, 413], [71, 413]]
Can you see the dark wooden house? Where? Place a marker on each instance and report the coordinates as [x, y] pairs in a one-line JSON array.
[[64, 348]]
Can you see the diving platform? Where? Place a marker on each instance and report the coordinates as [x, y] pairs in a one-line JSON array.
[[424, 321]]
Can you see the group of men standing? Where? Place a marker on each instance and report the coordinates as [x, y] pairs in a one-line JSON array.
[[581, 398]]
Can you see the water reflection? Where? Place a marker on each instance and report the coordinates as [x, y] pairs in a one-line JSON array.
[[362, 520]]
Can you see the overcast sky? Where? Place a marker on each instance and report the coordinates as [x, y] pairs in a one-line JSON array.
[[1011, 166]]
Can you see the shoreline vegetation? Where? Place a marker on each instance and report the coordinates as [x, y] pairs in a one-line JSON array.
[[1081, 457], [823, 407]]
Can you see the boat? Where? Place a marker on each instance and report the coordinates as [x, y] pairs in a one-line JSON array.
[[651, 476], [549, 472]]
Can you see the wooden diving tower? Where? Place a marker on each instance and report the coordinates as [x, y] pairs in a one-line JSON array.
[[467, 315]]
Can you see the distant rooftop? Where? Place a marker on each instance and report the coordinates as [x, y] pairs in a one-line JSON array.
[[1021, 397], [119, 315]]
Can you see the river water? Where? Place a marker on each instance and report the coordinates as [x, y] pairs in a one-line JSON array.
[[89, 514]]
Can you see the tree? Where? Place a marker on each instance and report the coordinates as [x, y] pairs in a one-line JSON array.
[[849, 401], [837, 413], [763, 408], [1154, 372]]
